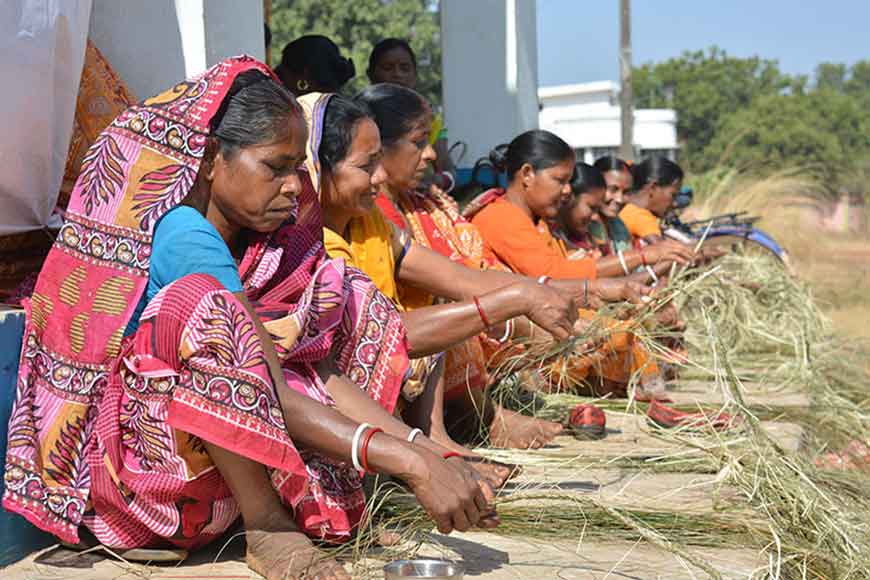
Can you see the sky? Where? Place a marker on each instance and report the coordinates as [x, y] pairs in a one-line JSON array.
[[578, 40]]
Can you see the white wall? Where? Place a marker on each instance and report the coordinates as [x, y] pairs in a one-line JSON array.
[[587, 117], [489, 66], [42, 49], [141, 40], [155, 44]]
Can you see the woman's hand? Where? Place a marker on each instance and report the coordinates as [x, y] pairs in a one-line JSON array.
[[617, 290], [548, 307], [449, 493], [669, 251]]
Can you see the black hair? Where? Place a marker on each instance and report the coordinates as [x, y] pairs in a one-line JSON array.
[[540, 149], [252, 112], [340, 120], [319, 58], [611, 163], [586, 177], [385, 46], [395, 109], [655, 170]]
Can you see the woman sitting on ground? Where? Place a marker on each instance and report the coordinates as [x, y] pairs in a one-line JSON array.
[[656, 180], [513, 223], [349, 154], [403, 117], [186, 347], [584, 207], [610, 235]]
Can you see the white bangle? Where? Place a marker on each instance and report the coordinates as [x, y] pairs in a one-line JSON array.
[[543, 280], [354, 455], [622, 262], [652, 273], [413, 434], [508, 331]]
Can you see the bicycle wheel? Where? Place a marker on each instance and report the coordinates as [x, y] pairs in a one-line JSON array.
[[749, 244]]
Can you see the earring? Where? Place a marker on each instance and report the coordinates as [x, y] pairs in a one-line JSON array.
[[302, 85]]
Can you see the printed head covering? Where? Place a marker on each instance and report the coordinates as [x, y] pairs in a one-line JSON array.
[[139, 167]]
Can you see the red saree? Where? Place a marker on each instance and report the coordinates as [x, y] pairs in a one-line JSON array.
[[107, 431], [434, 222]]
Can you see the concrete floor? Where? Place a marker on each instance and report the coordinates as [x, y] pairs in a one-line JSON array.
[[489, 556]]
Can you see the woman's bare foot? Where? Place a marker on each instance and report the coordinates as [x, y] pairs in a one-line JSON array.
[[386, 538], [277, 550], [494, 473], [515, 431]]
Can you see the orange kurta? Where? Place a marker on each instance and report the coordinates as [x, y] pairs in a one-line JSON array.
[[640, 222], [525, 247], [530, 249], [436, 224]]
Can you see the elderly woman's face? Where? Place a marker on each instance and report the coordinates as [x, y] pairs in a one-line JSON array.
[[353, 184], [546, 190], [406, 160], [257, 187]]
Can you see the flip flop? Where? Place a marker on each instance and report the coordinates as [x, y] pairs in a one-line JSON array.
[[668, 417], [587, 422]]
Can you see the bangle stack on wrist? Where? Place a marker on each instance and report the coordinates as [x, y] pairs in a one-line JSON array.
[[360, 446]]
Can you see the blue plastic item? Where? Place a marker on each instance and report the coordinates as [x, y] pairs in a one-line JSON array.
[[18, 537], [753, 234]]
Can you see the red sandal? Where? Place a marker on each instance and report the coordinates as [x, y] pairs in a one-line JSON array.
[[668, 417], [587, 422]]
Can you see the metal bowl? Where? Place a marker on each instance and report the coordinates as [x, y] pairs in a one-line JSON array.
[[428, 569]]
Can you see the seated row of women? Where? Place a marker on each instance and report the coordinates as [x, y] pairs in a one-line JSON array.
[[251, 305]]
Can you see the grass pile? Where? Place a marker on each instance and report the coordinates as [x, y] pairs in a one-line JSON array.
[[748, 319]]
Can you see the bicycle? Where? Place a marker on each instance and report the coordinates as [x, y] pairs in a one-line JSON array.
[[736, 230]]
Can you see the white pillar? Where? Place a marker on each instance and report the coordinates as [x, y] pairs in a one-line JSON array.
[[489, 71], [155, 44]]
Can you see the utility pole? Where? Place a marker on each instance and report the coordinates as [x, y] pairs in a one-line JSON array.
[[626, 150]]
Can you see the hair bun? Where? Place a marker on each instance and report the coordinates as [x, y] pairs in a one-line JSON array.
[[347, 70], [498, 157]]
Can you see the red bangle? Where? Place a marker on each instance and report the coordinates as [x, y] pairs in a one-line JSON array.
[[643, 259], [450, 454], [482, 314], [364, 448]]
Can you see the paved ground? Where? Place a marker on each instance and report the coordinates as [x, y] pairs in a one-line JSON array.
[[493, 557]]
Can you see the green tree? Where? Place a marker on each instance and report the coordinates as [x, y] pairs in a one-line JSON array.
[[357, 25], [858, 84], [824, 132], [775, 130], [705, 88], [830, 75], [744, 112]]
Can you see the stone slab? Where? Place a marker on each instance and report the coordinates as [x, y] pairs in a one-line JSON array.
[[707, 393]]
